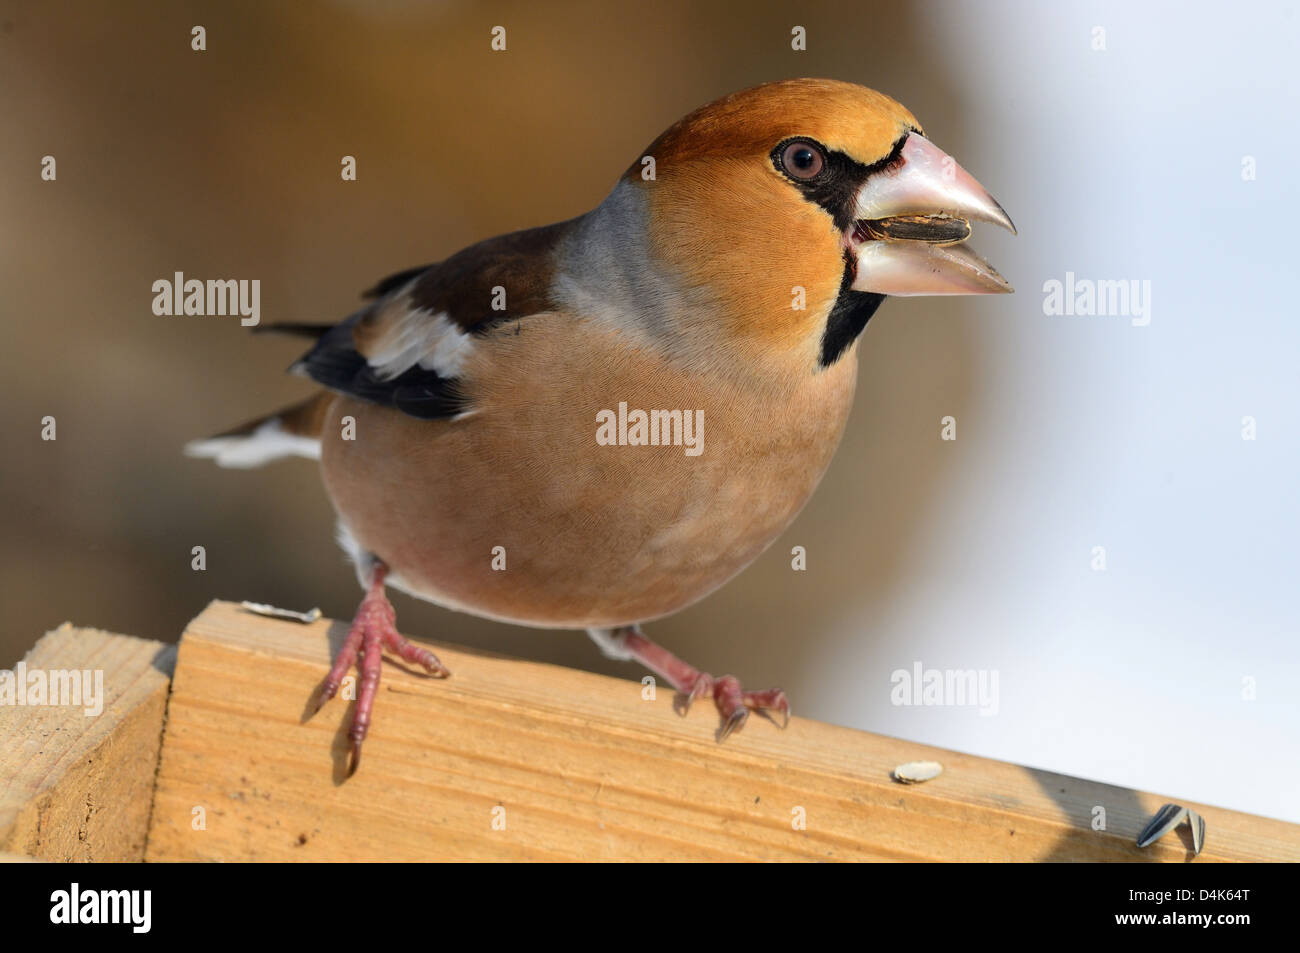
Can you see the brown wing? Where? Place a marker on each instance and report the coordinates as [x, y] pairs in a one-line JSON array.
[[405, 349]]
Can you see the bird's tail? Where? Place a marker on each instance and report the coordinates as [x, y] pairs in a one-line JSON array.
[[295, 329], [291, 432]]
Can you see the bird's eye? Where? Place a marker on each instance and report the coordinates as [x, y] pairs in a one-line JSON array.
[[802, 159]]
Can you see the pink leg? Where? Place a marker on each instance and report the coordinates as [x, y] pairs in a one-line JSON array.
[[734, 705], [374, 628]]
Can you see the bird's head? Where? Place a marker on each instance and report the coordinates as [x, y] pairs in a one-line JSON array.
[[799, 204]]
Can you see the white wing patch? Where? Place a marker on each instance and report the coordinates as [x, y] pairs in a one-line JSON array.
[[418, 336], [452, 348], [268, 442]]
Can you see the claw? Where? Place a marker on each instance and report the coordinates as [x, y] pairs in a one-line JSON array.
[[703, 686], [327, 691], [767, 713], [354, 761], [768, 702], [734, 723], [436, 668]]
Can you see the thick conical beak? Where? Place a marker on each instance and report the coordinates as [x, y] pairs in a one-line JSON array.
[[911, 220]]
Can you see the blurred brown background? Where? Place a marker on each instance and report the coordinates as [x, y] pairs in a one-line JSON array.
[[225, 163]]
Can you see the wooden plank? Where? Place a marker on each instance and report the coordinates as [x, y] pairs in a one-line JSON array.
[[78, 786], [580, 767]]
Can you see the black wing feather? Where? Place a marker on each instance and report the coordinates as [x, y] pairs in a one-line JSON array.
[[335, 364], [461, 288]]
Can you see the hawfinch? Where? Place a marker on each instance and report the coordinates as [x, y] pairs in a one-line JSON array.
[[596, 423]]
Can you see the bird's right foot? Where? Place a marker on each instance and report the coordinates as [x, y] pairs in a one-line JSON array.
[[374, 628]]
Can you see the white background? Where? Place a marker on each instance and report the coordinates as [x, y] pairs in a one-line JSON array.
[[1121, 164]]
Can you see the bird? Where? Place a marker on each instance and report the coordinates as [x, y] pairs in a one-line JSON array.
[[597, 423]]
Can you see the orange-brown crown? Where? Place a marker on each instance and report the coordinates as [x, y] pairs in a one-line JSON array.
[[852, 119]]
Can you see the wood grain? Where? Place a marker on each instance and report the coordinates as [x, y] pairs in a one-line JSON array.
[[579, 767], [79, 787]]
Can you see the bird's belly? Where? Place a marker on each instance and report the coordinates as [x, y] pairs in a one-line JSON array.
[[520, 512]]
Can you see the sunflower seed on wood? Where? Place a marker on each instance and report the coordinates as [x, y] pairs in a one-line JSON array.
[[914, 772], [1197, 824], [261, 608], [1166, 819]]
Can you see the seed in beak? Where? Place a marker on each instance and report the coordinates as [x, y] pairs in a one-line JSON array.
[[932, 229]]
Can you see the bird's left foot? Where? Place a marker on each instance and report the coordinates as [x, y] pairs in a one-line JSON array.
[[733, 703], [374, 628]]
